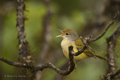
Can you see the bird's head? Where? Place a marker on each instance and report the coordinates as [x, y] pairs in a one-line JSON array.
[[68, 34]]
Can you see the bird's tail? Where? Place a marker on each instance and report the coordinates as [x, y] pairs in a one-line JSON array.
[[96, 55], [100, 56]]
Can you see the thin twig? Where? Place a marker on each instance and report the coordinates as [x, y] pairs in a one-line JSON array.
[[109, 25], [89, 40], [115, 74], [80, 51], [17, 64]]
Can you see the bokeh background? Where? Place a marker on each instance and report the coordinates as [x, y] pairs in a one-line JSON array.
[[87, 17]]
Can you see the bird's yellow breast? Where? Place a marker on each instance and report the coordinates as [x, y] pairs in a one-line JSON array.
[[65, 44]]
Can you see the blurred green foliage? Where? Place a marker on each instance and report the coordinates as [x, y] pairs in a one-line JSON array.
[[72, 14]]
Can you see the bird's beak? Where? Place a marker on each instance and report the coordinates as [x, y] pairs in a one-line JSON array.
[[61, 34]]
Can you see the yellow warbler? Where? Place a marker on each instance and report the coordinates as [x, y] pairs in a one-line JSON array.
[[71, 38]]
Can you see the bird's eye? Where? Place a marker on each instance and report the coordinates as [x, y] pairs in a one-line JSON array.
[[66, 33]]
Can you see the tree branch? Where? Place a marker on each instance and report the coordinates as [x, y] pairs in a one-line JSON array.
[[111, 42], [89, 40], [17, 64], [109, 25], [46, 33], [24, 52], [115, 74], [48, 65], [62, 72], [46, 37]]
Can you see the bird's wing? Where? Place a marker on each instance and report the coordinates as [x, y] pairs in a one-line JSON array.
[[79, 44], [88, 51]]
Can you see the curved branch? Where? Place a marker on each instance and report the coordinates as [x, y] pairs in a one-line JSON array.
[[48, 65], [80, 51], [89, 40], [62, 72], [109, 25]]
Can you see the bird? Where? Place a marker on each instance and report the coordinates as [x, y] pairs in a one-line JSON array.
[[71, 38]]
